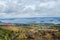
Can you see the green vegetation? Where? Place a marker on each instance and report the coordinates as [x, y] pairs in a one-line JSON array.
[[5, 34], [30, 31]]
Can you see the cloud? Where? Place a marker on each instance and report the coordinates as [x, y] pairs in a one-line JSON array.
[[31, 8]]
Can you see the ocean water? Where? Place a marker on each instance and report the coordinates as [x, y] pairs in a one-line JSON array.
[[31, 20]]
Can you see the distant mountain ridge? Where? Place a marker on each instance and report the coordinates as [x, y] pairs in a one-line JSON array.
[[32, 20]]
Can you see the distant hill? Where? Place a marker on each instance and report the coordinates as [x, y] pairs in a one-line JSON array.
[[32, 20], [0, 21]]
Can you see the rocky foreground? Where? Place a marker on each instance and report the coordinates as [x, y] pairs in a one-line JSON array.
[[32, 33]]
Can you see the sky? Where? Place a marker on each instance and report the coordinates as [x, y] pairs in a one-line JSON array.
[[29, 8]]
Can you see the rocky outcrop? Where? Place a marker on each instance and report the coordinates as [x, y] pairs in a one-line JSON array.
[[42, 34]]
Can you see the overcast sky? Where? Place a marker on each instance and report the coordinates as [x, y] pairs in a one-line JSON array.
[[29, 8]]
